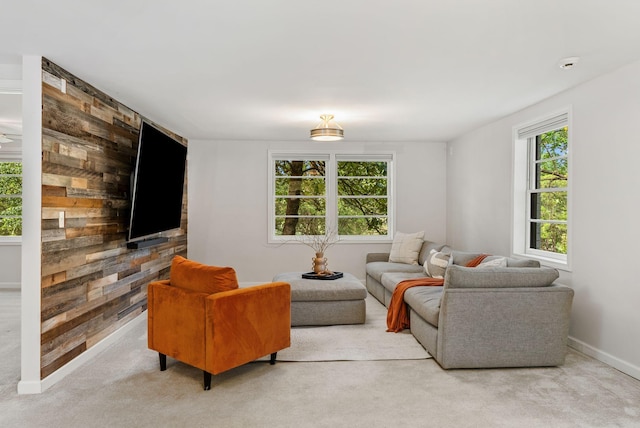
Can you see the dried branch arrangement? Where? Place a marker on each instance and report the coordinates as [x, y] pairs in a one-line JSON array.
[[319, 243]]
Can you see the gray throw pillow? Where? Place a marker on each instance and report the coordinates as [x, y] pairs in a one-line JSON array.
[[425, 251]]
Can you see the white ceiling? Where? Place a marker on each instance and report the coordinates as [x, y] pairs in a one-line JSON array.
[[403, 70]]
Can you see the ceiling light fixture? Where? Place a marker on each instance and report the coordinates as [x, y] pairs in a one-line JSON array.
[[4, 139], [567, 63], [327, 130]]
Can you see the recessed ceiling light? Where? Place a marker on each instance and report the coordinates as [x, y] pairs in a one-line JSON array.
[[570, 62]]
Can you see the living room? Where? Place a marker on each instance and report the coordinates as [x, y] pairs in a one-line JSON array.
[[453, 159]]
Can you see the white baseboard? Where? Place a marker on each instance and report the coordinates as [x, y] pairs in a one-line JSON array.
[[9, 286], [617, 363], [35, 387]]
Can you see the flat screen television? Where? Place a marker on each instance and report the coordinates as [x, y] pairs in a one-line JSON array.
[[158, 183]]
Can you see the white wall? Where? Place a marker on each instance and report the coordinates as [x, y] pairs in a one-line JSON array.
[[605, 151], [228, 206], [10, 256]]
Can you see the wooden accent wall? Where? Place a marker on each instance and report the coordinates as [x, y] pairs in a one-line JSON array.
[[91, 283]]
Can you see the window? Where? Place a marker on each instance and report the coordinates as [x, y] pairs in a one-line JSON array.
[[313, 194], [300, 200], [363, 198], [541, 203], [10, 199], [548, 191]]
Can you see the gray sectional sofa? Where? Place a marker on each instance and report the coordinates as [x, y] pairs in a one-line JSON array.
[[513, 316]]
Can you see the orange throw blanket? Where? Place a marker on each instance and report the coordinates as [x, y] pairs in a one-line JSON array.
[[397, 314]]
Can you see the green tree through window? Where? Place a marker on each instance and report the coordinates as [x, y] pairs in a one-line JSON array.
[[300, 199], [362, 198], [10, 199], [549, 192]]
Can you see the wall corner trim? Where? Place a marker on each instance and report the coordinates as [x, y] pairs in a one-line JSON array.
[[29, 387]]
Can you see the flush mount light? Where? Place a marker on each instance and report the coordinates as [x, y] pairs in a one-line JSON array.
[[327, 130], [570, 62]]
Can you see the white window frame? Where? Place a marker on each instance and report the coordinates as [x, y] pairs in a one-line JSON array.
[[524, 137], [331, 158], [11, 157]]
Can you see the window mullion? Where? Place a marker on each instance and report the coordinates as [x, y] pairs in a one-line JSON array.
[[543, 160], [331, 186]]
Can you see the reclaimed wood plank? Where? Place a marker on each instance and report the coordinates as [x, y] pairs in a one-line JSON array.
[[49, 235], [54, 191], [91, 341], [66, 202], [91, 230], [53, 279], [63, 169], [47, 369], [73, 284]]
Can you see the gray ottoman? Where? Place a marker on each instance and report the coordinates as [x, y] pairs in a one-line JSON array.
[[325, 302]]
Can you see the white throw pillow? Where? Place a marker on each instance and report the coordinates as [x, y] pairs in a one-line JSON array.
[[497, 262], [406, 247], [437, 263]]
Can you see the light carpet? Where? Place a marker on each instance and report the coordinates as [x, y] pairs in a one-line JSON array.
[[358, 342], [124, 387]]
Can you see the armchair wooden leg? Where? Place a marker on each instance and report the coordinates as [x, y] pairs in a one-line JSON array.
[[207, 380], [272, 361], [163, 361]]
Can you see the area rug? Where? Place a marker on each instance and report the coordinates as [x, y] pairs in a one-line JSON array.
[[359, 342]]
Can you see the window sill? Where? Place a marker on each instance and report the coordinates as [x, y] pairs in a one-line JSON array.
[[367, 240], [10, 240]]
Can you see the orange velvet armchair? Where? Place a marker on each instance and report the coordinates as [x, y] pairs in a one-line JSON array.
[[200, 317]]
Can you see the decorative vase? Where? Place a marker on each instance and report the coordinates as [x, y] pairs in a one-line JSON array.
[[319, 264]]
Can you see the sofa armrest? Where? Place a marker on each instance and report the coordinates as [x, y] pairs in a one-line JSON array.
[[175, 322], [253, 322], [503, 327], [377, 257]]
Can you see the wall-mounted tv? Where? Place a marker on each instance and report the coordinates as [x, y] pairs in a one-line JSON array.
[[158, 183]]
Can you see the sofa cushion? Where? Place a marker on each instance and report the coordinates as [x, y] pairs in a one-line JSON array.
[[427, 246], [437, 263], [376, 269], [195, 276], [464, 277], [390, 280], [406, 247], [425, 301]]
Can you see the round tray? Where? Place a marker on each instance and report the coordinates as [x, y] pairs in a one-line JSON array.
[[313, 275]]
